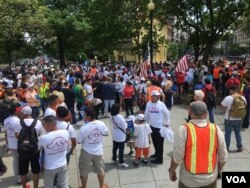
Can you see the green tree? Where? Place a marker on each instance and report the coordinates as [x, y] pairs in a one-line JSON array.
[[173, 51], [236, 50], [206, 21], [108, 20], [18, 20], [66, 20], [140, 25], [115, 22]]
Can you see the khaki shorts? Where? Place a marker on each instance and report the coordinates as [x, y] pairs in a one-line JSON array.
[[89, 163]]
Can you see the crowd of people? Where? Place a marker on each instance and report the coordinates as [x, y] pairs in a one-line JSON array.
[[39, 109]]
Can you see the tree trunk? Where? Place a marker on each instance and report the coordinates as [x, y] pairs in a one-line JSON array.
[[61, 48], [196, 54], [207, 52], [8, 51], [139, 55]]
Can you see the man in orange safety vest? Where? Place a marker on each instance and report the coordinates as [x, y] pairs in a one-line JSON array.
[[199, 149]]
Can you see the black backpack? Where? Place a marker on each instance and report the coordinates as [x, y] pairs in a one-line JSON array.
[[27, 140], [210, 98]]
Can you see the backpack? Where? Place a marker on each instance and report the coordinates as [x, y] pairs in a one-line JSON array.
[[82, 92], [210, 98], [27, 140], [238, 108]]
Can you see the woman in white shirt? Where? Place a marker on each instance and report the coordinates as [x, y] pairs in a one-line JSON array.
[[10, 124], [119, 127]]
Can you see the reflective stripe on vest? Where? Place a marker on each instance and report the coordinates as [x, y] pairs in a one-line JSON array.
[[150, 89], [201, 149]]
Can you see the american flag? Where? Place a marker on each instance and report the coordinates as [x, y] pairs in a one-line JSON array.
[[182, 64], [144, 65]]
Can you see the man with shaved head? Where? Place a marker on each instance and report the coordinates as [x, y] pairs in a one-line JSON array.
[[199, 149]]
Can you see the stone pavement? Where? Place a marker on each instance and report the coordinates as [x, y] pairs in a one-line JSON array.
[[150, 176]]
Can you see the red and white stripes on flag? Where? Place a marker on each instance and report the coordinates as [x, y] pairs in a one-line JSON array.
[[182, 64], [144, 68]]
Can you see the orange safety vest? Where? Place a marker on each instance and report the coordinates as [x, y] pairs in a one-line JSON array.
[[201, 149], [150, 89]]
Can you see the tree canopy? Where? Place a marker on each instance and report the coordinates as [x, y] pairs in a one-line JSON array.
[[206, 21], [74, 29]]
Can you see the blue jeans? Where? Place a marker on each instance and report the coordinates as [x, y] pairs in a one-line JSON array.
[[44, 104], [236, 126], [211, 114], [120, 146]]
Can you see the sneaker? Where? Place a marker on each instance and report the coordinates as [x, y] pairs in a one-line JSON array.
[[152, 156], [156, 161], [135, 163], [240, 150], [131, 152], [18, 181], [145, 161], [3, 170], [124, 165], [114, 162], [219, 176]]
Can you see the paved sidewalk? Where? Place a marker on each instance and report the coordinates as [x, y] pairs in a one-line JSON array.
[[149, 176]]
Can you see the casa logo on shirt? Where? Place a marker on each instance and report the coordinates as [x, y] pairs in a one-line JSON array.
[[57, 144], [95, 135], [154, 110]]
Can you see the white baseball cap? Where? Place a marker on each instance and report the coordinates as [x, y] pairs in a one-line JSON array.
[[155, 93], [142, 79], [26, 110], [140, 117]]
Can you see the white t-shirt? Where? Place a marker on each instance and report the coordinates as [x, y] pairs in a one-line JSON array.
[[9, 82], [117, 134], [55, 145], [142, 132], [89, 90], [90, 136], [142, 88], [120, 86], [49, 112], [62, 125], [10, 125], [125, 77], [157, 114], [28, 122], [227, 102]]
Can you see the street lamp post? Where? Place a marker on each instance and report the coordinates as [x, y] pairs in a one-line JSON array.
[[151, 8]]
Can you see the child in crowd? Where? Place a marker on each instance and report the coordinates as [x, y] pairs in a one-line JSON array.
[[142, 133], [130, 129]]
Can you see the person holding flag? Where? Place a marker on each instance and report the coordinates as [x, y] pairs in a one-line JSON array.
[[180, 73]]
